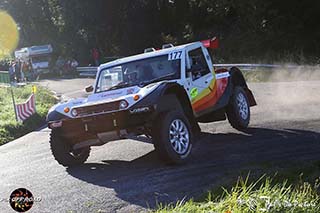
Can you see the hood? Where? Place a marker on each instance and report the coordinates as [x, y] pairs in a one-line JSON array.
[[126, 94]]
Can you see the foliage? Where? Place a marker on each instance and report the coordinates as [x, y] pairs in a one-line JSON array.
[[9, 128], [259, 196], [249, 30]]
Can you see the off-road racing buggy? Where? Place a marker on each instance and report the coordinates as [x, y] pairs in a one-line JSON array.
[[161, 94]]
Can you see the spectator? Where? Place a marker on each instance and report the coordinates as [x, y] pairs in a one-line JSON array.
[[33, 74], [95, 56], [25, 70], [30, 67], [67, 67], [59, 65], [74, 63], [18, 70], [12, 71]]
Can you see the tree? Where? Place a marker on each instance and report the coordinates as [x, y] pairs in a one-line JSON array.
[[248, 30]]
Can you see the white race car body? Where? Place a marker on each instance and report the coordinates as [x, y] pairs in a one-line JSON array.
[[132, 94]]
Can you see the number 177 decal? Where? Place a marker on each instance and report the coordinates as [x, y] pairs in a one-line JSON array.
[[174, 55]]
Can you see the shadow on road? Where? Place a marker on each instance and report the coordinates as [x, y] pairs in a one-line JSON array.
[[145, 181]]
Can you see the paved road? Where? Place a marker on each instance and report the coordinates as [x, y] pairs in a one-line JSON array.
[[68, 88], [126, 176]]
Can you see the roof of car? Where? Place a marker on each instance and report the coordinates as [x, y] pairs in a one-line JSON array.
[[146, 55]]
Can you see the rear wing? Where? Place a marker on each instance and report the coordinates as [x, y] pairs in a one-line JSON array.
[[211, 43]]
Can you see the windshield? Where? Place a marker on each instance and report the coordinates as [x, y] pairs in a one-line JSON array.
[[139, 72]]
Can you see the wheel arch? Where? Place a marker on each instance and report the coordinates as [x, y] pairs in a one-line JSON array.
[[181, 96], [237, 79]]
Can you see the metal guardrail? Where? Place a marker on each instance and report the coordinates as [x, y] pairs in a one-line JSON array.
[[87, 71], [269, 67], [250, 67]]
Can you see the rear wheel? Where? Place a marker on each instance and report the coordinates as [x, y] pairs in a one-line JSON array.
[[173, 138], [238, 110], [63, 152]]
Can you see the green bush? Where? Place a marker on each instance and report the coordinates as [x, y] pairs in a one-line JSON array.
[[9, 128]]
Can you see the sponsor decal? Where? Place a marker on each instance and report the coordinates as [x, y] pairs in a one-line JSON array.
[[194, 92], [130, 91], [76, 102], [139, 110], [222, 75], [110, 94]]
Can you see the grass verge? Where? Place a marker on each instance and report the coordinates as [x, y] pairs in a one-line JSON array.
[[289, 190], [9, 128]]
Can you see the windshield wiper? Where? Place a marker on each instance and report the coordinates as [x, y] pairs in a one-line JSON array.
[[144, 83], [120, 85]]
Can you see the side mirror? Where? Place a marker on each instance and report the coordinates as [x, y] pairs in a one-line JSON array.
[[89, 89]]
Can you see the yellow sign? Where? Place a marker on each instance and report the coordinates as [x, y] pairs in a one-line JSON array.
[[34, 89]]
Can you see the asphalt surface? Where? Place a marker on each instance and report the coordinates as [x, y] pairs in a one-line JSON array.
[[126, 176]]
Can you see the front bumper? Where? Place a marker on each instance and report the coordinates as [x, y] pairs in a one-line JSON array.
[[84, 128]]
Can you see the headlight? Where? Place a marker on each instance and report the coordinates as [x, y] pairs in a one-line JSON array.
[[123, 104], [74, 112]]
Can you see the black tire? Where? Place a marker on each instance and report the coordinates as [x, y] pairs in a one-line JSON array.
[[63, 153], [162, 137], [238, 109]]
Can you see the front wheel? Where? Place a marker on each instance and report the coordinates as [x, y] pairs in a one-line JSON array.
[[238, 110], [63, 152], [173, 138]]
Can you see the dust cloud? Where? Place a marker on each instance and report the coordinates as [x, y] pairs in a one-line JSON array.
[[288, 94]]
